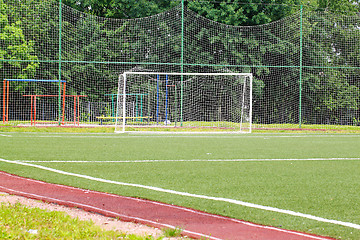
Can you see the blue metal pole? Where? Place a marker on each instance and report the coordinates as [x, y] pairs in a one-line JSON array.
[[166, 101], [157, 98]]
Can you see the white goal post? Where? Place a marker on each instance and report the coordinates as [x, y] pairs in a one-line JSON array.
[[184, 102]]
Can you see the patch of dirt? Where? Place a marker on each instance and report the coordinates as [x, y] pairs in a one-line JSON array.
[[104, 222]]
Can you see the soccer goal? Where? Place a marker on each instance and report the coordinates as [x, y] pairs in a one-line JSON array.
[[184, 102]]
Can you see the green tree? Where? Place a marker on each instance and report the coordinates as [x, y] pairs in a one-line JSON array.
[[156, 42], [348, 7], [122, 9], [331, 93], [240, 12], [14, 46]]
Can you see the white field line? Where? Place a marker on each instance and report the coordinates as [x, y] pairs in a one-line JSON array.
[[161, 204], [3, 135], [192, 160], [237, 202], [166, 205], [188, 210], [195, 136], [174, 207]]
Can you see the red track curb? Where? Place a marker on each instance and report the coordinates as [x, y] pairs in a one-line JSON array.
[[196, 224]]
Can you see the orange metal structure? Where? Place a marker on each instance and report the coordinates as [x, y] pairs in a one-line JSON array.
[[6, 87], [76, 107]]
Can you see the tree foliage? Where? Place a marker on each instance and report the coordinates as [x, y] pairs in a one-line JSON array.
[[340, 6], [265, 51], [123, 9], [14, 45]]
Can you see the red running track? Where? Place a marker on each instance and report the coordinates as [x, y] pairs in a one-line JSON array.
[[196, 224]]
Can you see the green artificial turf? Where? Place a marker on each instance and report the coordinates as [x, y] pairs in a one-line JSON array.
[[326, 188]]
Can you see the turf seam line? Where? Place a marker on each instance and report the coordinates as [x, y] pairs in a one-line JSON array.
[[237, 202]]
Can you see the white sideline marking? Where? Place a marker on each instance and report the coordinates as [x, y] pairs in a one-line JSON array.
[[3, 135], [188, 210], [237, 202], [192, 160], [169, 206]]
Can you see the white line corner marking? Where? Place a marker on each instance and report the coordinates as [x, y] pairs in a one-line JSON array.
[[237, 202]]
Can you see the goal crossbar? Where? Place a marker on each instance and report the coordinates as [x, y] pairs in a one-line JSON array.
[[188, 74], [171, 99]]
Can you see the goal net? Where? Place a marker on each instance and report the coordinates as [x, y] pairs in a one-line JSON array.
[[184, 102]]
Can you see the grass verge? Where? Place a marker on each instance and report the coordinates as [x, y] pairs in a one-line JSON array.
[[21, 222], [256, 128]]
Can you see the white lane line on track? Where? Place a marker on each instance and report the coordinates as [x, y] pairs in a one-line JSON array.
[[181, 208], [232, 201], [114, 214], [192, 160]]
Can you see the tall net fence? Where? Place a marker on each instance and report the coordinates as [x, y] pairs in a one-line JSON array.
[[59, 65]]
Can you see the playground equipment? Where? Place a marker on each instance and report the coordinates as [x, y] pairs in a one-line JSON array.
[[137, 112], [6, 92], [33, 100], [76, 107]]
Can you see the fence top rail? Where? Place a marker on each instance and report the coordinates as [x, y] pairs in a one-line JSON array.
[[189, 74], [128, 94], [33, 80], [35, 95]]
